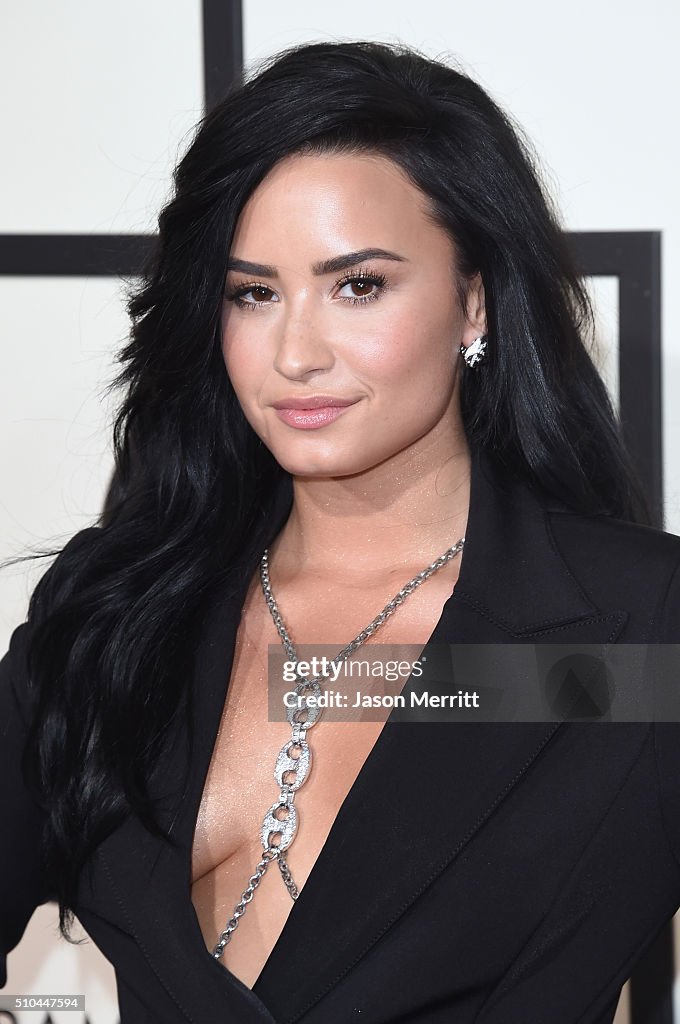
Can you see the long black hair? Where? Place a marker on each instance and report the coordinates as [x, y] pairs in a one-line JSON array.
[[112, 619]]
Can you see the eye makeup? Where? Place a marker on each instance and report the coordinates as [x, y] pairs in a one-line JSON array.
[[362, 276]]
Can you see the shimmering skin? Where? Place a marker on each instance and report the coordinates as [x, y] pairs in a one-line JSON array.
[[378, 494]]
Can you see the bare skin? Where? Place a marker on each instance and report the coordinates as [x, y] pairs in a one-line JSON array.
[[379, 493]]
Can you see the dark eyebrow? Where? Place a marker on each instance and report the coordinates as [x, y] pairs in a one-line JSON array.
[[331, 266]]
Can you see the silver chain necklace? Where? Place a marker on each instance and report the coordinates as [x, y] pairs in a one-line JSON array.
[[286, 828]]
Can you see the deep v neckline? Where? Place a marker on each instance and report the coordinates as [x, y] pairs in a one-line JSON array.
[[222, 621], [389, 843]]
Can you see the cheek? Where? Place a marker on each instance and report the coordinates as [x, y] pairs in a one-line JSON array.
[[409, 353], [243, 362]]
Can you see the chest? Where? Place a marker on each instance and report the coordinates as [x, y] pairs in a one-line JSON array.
[[240, 785]]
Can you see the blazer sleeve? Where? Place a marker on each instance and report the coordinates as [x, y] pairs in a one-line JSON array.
[[23, 883], [667, 733]]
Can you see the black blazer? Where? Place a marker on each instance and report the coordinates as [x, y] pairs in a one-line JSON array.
[[495, 873]]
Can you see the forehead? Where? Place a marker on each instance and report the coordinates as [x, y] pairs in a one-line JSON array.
[[350, 200], [342, 169]]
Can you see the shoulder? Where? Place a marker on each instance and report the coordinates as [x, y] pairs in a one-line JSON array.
[[14, 664], [81, 542], [620, 539], [621, 563]]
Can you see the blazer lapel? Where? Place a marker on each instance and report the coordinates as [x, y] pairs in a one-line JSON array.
[[427, 788], [423, 793]]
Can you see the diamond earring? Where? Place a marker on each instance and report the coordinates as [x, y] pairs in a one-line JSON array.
[[474, 353]]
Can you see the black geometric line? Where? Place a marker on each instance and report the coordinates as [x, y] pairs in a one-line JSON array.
[[222, 48], [634, 257], [73, 255]]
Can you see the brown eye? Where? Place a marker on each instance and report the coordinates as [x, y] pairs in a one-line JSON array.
[[250, 296], [362, 287], [260, 292]]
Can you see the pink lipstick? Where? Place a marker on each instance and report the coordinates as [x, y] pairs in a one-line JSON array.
[[312, 411]]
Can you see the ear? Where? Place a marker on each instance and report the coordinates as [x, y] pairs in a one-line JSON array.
[[475, 312]]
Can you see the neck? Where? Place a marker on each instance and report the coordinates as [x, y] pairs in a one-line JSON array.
[[397, 517]]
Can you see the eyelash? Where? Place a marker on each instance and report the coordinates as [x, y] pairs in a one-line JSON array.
[[361, 276]]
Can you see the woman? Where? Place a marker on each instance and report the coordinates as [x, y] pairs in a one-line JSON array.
[[357, 362]]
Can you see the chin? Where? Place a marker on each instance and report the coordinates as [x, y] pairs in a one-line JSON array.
[[320, 471], [321, 466]]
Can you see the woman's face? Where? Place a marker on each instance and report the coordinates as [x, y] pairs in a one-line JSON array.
[[379, 330]]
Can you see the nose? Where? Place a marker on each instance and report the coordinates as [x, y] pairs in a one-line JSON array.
[[302, 347]]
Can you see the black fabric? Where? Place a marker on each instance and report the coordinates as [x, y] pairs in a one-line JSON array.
[[486, 872]]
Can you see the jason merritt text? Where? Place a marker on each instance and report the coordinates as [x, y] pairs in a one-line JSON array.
[[336, 699]]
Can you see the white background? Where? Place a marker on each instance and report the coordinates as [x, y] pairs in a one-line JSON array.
[[99, 100]]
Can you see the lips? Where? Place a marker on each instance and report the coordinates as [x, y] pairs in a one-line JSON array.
[[312, 419], [313, 402]]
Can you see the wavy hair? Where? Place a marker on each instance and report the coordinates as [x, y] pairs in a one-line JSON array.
[[114, 620]]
